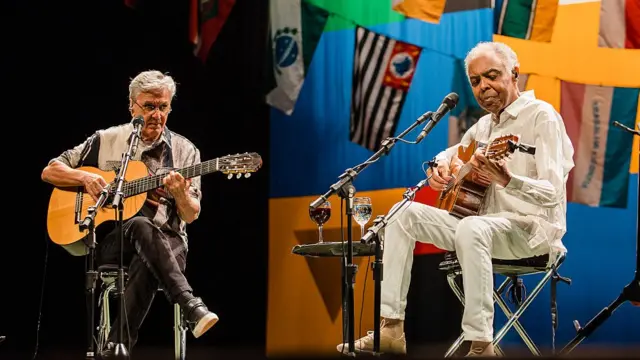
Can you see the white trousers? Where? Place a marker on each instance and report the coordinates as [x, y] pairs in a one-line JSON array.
[[475, 239]]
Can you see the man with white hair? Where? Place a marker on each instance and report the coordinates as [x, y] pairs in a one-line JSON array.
[[523, 215], [155, 240]]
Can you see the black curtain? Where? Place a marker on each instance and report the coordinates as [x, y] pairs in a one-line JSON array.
[[68, 64]]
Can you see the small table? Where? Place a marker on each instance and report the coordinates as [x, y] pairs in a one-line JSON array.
[[334, 249]]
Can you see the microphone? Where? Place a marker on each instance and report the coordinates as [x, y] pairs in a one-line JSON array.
[[450, 101], [138, 123]]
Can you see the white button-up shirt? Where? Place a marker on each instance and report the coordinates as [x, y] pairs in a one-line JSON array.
[[535, 198]]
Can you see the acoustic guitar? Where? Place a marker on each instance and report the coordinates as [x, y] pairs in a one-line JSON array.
[[463, 196], [68, 206]]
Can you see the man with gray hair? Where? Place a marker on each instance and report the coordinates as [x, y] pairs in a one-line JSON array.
[[155, 239], [523, 214]]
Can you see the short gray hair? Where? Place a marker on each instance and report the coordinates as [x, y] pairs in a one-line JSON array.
[[151, 81], [503, 51]]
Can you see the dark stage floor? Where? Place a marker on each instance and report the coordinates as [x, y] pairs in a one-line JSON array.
[[427, 351]]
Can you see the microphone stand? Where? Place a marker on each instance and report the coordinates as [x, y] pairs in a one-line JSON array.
[[630, 293], [120, 350], [346, 191], [91, 275], [372, 235]]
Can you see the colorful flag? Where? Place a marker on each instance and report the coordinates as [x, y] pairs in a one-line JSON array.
[[602, 152], [205, 23], [425, 10], [296, 27], [382, 72], [431, 10], [525, 19], [619, 24]]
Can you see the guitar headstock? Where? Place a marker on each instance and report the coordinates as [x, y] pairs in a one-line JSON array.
[[502, 147], [239, 164]]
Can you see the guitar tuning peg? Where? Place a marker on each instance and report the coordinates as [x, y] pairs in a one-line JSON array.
[[230, 176], [246, 175], [238, 176]]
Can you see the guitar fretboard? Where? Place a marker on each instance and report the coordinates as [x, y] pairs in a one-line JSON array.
[[143, 185]]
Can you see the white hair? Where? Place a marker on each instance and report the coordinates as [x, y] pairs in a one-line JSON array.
[[151, 81], [504, 52]]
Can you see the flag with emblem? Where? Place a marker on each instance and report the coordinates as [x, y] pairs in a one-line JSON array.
[[602, 152], [206, 19], [525, 19], [382, 72], [619, 24], [295, 28]]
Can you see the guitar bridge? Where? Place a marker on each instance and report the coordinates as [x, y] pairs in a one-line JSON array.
[[78, 208]]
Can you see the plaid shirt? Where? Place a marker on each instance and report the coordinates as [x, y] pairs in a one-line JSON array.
[[171, 150]]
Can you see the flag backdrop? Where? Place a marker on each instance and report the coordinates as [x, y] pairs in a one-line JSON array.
[[296, 27], [525, 19], [602, 151], [310, 148], [382, 72], [619, 24], [206, 19]]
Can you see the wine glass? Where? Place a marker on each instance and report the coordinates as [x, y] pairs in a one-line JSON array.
[[320, 216], [362, 210]]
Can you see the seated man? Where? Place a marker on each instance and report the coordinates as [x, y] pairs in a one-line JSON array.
[[524, 211], [155, 240]]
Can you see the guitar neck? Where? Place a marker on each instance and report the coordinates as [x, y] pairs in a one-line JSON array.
[[143, 185]]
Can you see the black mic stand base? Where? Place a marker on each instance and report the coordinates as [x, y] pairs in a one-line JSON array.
[[120, 350], [90, 287], [630, 293], [347, 192]]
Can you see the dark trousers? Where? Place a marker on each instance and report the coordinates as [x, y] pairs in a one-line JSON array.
[[155, 259]]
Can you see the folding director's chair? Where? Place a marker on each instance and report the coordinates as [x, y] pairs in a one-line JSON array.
[[513, 270]]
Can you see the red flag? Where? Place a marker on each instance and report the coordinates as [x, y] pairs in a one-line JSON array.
[[206, 20]]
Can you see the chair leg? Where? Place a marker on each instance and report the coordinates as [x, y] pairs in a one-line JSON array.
[[516, 324], [104, 326], [451, 279], [515, 316], [180, 333]]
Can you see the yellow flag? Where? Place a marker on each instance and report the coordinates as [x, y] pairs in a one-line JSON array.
[[425, 10]]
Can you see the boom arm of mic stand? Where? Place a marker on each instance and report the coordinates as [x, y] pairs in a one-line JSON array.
[[350, 174]]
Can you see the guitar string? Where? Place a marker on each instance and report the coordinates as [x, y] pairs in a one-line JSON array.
[[133, 187]]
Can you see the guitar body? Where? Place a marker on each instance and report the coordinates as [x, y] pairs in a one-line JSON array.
[[465, 197], [68, 207]]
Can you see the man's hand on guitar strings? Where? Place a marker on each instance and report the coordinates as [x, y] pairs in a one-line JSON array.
[[93, 185], [488, 171], [176, 184]]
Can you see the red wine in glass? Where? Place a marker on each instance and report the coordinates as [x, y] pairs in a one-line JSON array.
[[320, 215]]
